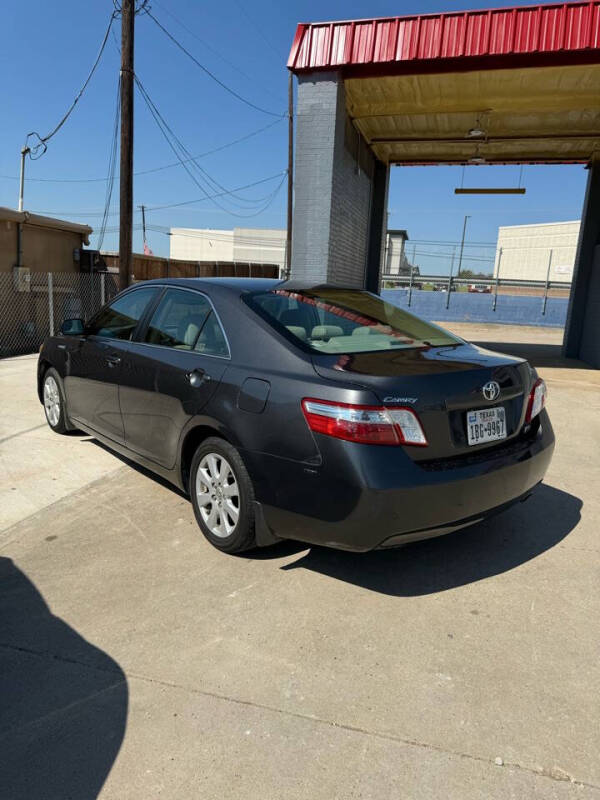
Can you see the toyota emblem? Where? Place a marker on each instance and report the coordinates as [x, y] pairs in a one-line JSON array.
[[491, 390]]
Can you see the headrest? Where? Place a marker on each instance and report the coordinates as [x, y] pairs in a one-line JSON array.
[[326, 331], [298, 331]]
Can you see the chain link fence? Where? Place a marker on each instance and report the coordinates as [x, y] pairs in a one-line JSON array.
[[34, 304]]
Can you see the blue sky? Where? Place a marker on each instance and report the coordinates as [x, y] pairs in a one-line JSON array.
[[47, 50]]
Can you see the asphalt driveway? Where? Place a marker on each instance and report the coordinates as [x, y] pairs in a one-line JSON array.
[[138, 662]]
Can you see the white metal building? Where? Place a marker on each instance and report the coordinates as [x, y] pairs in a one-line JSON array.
[[259, 245], [395, 261], [525, 251]]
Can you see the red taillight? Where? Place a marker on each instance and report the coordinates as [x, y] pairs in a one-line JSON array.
[[537, 400], [364, 424]]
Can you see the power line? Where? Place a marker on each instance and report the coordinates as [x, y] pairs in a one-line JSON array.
[[269, 198], [257, 28], [212, 49], [112, 162], [170, 137], [217, 236], [174, 142], [209, 73], [447, 256], [34, 152], [443, 243], [170, 205], [157, 169], [162, 229]]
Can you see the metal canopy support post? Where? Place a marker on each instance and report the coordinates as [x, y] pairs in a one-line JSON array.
[[450, 277], [497, 280], [582, 329], [50, 305], [547, 283], [462, 244], [377, 226], [290, 177]]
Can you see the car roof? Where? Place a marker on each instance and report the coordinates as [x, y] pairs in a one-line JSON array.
[[241, 285], [237, 285]]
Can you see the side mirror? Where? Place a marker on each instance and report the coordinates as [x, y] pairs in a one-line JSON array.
[[72, 327]]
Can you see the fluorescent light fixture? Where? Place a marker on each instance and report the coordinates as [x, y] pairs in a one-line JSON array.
[[490, 190]]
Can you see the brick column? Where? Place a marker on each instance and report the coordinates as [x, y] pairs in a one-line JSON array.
[[340, 191]]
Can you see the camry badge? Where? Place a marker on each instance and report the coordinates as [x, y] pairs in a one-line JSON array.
[[491, 390], [410, 400]]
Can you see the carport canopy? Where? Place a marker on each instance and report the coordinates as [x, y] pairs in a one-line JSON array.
[[504, 85], [497, 86]]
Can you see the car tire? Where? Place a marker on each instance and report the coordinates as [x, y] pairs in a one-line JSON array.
[[222, 496], [53, 399]]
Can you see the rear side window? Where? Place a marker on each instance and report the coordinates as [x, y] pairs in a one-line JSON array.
[[332, 320], [119, 319], [186, 321]]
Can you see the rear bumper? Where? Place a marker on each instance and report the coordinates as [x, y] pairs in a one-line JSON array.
[[364, 497], [429, 533]]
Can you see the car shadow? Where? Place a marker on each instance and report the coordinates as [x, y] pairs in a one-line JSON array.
[[64, 701], [489, 548], [138, 467]]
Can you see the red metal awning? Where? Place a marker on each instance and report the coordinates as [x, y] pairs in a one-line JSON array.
[[523, 35]]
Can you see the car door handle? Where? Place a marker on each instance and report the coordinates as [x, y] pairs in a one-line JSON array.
[[113, 361], [197, 377]]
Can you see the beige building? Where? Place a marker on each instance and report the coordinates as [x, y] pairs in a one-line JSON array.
[[395, 260], [527, 250], [258, 245], [40, 284], [40, 244]]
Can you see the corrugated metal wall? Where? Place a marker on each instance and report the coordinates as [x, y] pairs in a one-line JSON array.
[[493, 32]]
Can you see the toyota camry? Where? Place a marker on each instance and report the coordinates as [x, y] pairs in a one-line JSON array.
[[295, 411]]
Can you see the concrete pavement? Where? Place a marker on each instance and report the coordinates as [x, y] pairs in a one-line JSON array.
[[141, 663], [36, 467]]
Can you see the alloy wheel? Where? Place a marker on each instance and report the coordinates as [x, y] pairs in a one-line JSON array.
[[51, 401], [218, 495]]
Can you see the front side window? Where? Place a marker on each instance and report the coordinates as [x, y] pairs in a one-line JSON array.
[[186, 321], [119, 319], [346, 321]]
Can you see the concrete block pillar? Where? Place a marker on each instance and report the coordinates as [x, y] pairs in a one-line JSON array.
[[340, 191], [582, 330]]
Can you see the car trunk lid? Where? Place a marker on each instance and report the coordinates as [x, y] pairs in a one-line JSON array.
[[441, 384]]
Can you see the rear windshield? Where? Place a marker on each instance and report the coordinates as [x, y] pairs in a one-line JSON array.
[[345, 321]]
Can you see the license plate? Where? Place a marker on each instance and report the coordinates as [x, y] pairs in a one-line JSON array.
[[486, 425]]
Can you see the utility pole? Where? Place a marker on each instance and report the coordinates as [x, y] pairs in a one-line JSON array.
[[462, 244], [290, 182], [24, 151], [450, 278], [126, 169], [143, 210]]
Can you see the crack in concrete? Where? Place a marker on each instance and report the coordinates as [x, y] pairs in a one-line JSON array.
[[386, 736], [62, 710], [85, 487], [20, 433]]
